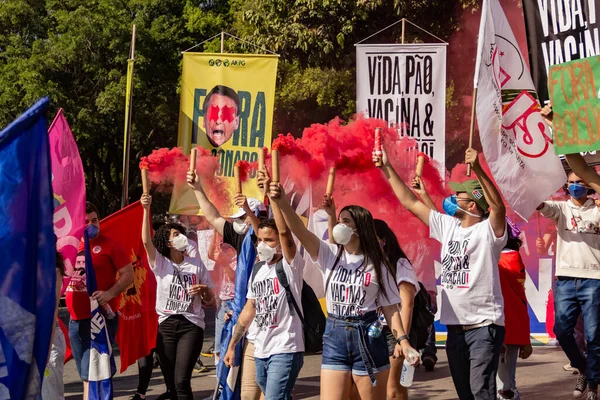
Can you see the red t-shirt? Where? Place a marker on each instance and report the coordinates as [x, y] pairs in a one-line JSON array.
[[108, 257], [512, 281]]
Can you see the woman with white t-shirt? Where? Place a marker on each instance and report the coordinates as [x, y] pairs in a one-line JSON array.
[[183, 285], [408, 286], [358, 279]]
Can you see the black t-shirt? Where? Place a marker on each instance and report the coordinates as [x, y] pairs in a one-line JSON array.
[[234, 239]]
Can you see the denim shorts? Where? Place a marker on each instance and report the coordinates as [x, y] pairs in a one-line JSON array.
[[342, 349], [79, 336]]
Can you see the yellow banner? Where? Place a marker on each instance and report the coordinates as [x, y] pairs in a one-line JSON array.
[[227, 107]]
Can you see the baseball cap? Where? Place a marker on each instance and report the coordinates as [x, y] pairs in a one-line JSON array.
[[254, 205], [473, 189]]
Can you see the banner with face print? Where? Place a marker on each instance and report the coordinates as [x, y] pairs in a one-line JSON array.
[[226, 107]]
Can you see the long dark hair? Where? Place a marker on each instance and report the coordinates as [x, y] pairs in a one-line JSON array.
[[392, 248], [365, 229], [161, 238]]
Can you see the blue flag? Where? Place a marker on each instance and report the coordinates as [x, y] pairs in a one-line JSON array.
[[229, 377], [102, 362], [27, 254]]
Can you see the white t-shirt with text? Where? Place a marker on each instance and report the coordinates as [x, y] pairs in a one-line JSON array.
[[405, 272], [172, 284], [578, 241], [277, 330], [353, 288], [470, 279]]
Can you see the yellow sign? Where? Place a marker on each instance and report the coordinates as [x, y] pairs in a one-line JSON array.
[[227, 107]]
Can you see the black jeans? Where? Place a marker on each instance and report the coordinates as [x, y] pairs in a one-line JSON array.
[[473, 359], [145, 367], [178, 347]]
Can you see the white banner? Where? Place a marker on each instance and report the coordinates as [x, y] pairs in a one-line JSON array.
[[516, 142], [405, 85]]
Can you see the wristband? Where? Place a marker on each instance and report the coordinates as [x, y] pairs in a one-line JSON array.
[[401, 338]]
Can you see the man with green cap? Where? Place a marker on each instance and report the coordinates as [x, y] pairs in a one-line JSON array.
[[472, 234]]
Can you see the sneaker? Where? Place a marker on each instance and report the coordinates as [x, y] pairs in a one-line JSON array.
[[569, 368], [164, 396], [210, 352], [136, 396], [592, 395], [199, 367], [581, 387], [428, 362]]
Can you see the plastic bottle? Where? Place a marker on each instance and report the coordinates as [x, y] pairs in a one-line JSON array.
[[375, 329], [408, 371]]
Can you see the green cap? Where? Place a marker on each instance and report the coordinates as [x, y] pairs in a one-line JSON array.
[[474, 190]]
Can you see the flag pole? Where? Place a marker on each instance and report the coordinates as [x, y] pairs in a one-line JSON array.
[[222, 42], [472, 127], [127, 133], [403, 25]]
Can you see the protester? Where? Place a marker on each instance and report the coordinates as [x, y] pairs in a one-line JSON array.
[[182, 286], [517, 340], [109, 258], [53, 386], [578, 270], [472, 304], [233, 234], [279, 343], [145, 368], [408, 286], [358, 279]]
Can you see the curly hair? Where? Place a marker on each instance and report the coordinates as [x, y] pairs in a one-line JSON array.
[[161, 238], [268, 223]]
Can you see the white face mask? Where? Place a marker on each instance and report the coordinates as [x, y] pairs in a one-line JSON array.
[[265, 252], [240, 226], [180, 242], [342, 234]]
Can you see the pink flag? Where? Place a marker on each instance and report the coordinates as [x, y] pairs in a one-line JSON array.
[[68, 184]]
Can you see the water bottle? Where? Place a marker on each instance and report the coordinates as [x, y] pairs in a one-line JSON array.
[[110, 314], [408, 371], [375, 329]]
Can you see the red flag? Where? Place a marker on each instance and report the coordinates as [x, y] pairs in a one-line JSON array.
[[138, 322]]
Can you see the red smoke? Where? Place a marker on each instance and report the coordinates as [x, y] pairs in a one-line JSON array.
[[348, 147], [167, 167], [245, 169]]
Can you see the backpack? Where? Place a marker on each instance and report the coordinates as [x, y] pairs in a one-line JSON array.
[[313, 320], [422, 319]]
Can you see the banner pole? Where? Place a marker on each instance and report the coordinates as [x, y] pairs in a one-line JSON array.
[[472, 127], [222, 42], [403, 25], [128, 113]]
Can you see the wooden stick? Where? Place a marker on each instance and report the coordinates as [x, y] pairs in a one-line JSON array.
[[420, 165], [275, 166], [238, 179], [261, 158], [539, 226], [145, 180], [472, 128], [330, 181], [403, 24], [193, 156]]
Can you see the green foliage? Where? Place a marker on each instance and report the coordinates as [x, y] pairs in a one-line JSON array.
[[76, 52]]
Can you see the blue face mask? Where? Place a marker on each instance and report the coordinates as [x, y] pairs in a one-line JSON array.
[[92, 231], [577, 191], [450, 205]]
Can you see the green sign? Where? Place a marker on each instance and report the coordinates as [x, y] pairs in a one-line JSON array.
[[573, 89]]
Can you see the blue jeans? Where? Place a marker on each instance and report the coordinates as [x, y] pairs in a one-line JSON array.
[[219, 324], [575, 296], [79, 335], [277, 374], [473, 359], [430, 349], [507, 370]]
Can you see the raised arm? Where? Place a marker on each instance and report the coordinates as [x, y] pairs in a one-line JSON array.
[[308, 239], [583, 170], [288, 246], [146, 233], [492, 195], [419, 187], [242, 202], [328, 204], [407, 198], [211, 213]]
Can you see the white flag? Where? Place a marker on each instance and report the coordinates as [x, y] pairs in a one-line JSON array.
[[516, 142]]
